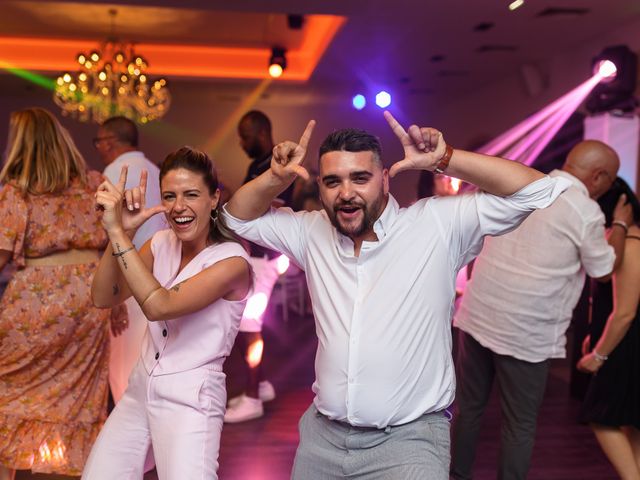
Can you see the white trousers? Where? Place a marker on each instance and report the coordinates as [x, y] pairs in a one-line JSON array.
[[178, 415], [125, 349], [266, 275]]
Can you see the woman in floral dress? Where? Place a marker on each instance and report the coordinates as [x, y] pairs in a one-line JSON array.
[[53, 343]]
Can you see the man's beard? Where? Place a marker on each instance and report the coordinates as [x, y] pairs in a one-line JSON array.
[[369, 217]]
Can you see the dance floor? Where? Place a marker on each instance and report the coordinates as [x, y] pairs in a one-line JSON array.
[[263, 449]]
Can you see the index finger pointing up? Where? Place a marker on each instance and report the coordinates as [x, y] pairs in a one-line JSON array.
[[122, 181], [397, 128], [306, 136]]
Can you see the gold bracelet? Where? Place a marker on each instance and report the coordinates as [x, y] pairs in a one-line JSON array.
[[149, 296]]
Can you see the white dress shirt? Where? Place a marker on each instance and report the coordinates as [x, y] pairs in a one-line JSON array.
[[383, 319], [138, 162], [525, 284]]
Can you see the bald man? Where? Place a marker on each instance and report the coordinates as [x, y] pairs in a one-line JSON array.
[[518, 305]]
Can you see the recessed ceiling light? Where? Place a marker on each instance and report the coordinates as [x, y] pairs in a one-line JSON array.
[[516, 4]]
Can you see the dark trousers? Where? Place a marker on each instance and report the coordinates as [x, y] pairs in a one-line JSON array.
[[521, 387]]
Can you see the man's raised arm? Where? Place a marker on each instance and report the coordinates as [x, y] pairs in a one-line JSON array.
[[254, 198], [425, 149]]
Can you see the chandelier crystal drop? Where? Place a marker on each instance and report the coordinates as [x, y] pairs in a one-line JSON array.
[[111, 81]]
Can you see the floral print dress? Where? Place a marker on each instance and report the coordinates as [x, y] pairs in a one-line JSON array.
[[54, 344]]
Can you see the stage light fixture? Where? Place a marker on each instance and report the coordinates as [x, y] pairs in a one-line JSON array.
[[615, 91], [606, 69], [359, 102], [277, 62], [383, 99]]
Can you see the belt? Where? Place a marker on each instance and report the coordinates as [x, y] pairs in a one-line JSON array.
[[444, 412]]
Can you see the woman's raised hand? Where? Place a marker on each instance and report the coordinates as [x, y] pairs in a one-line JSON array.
[[125, 209]]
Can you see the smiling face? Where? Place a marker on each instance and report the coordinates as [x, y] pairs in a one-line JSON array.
[[354, 190], [189, 205]]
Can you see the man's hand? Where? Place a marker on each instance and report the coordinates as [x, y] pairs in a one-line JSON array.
[[286, 162], [119, 319], [623, 211], [423, 147]]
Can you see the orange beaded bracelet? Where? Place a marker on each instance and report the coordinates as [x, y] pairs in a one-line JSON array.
[[444, 161]]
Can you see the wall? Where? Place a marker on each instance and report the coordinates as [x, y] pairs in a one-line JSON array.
[[203, 113]]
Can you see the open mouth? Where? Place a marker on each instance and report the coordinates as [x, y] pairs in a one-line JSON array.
[[184, 220], [348, 211]]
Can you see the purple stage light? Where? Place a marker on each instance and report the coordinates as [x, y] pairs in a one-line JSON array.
[[527, 139], [383, 99]]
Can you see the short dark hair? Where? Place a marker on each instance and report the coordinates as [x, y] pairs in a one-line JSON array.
[[258, 120], [352, 140], [199, 162], [124, 129]]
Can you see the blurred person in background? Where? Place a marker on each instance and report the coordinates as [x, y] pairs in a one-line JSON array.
[[54, 342], [612, 349], [256, 139], [117, 145]]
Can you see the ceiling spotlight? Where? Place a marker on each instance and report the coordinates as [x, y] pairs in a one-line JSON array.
[[277, 62], [359, 102], [383, 99], [617, 69], [516, 4], [606, 69]]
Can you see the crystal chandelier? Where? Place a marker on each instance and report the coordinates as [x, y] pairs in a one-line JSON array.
[[111, 81]]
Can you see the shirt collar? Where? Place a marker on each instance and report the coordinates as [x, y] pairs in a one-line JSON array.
[[574, 180], [381, 227], [132, 154], [383, 224]]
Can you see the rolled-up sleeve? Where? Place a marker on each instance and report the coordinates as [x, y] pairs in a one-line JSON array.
[[596, 255], [279, 229], [467, 219]]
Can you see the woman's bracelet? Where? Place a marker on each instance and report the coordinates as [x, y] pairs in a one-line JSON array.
[[151, 294], [600, 358], [119, 254], [620, 223]]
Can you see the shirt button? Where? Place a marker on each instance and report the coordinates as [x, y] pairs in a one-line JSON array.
[[157, 355], [164, 332]]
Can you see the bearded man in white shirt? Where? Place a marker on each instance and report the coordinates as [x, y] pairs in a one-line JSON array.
[[518, 305], [382, 285], [117, 145]]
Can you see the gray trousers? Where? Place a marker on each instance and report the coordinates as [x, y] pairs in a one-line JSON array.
[[521, 387], [333, 450]]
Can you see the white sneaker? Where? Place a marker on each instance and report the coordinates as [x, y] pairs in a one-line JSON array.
[[245, 408], [266, 392]]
